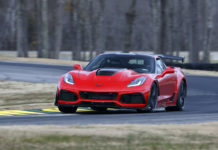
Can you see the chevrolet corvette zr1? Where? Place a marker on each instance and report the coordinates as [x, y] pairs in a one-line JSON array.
[[123, 80]]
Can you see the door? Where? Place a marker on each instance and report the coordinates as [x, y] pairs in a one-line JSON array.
[[167, 82]]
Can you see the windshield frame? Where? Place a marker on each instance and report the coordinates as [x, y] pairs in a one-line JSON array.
[[98, 58]]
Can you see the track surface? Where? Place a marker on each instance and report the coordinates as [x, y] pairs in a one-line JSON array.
[[201, 103]]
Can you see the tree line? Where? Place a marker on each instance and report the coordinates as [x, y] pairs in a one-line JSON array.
[[93, 26]]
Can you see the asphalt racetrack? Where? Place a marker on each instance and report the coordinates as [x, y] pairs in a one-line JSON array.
[[201, 103]]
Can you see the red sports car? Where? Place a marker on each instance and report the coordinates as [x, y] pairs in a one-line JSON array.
[[123, 80]]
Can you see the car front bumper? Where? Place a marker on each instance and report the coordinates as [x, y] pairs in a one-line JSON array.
[[126, 99]]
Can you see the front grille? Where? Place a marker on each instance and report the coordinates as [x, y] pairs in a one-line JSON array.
[[132, 98], [67, 96], [98, 96]]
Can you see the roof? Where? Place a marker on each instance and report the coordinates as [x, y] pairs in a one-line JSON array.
[[123, 53], [148, 55]]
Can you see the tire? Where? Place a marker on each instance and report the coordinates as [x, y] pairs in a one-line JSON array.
[[99, 109], [152, 100], [65, 109], [56, 99], [180, 102]]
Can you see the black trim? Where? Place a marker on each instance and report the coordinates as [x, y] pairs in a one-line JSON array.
[[97, 104], [132, 98], [67, 96], [173, 97], [98, 95]]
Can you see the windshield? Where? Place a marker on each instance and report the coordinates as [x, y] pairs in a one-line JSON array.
[[138, 63]]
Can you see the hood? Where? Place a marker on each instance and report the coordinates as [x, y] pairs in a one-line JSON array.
[[104, 79]]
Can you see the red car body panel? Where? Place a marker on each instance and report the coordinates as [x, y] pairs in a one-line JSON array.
[[168, 86]]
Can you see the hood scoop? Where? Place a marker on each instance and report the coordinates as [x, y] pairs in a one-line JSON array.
[[107, 71]]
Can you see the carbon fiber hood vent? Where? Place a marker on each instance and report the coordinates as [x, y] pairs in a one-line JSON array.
[[107, 72]]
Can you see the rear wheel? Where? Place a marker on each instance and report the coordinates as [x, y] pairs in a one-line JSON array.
[[180, 103], [152, 100], [100, 109], [67, 109]]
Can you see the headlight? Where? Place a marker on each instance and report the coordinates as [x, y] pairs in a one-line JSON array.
[[137, 82], [68, 79]]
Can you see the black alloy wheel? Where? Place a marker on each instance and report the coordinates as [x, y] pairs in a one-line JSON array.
[[180, 103], [152, 100]]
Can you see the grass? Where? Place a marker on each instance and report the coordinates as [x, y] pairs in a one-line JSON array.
[[42, 60], [214, 61], [107, 137], [201, 72], [23, 95]]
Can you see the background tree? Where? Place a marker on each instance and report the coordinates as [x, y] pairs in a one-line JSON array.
[[8, 24], [163, 26], [44, 32], [155, 5], [130, 18], [73, 6], [22, 29], [100, 33], [209, 12], [56, 27], [39, 27], [88, 27], [194, 32]]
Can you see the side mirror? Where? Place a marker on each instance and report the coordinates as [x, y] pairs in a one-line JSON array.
[[169, 70], [77, 67]]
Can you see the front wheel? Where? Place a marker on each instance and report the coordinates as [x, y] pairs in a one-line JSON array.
[[180, 103], [152, 100], [67, 109]]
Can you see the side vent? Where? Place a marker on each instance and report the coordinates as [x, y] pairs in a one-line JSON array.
[[173, 97]]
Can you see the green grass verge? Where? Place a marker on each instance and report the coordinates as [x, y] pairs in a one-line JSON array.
[[130, 137], [20, 95]]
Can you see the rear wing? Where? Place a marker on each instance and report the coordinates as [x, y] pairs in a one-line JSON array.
[[172, 57]]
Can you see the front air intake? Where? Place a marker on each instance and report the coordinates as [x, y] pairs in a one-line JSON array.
[[132, 98], [67, 96]]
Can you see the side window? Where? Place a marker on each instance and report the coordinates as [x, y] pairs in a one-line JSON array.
[[160, 66], [158, 70], [163, 65]]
